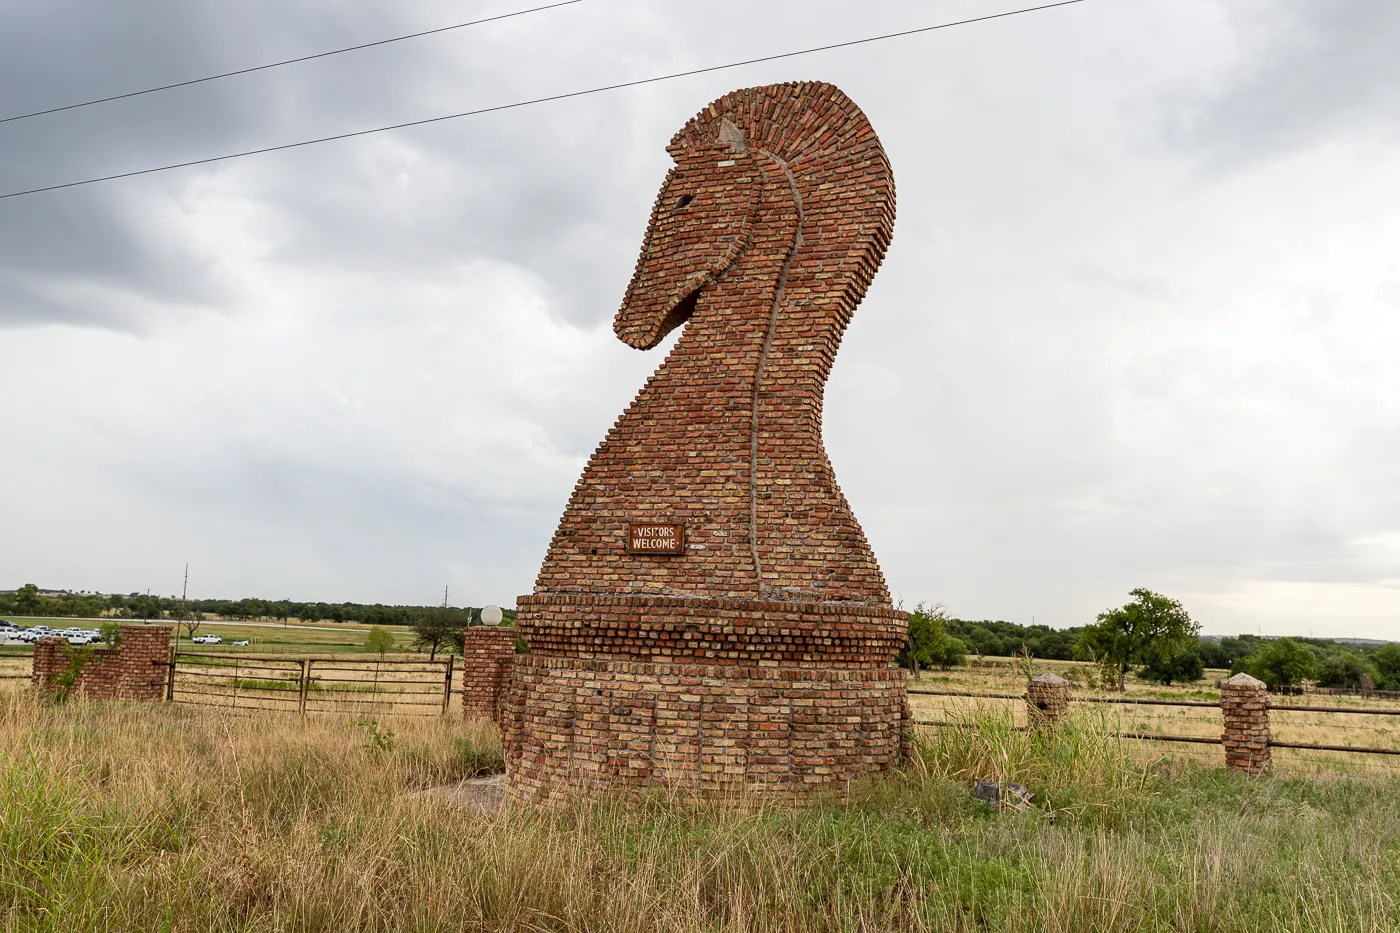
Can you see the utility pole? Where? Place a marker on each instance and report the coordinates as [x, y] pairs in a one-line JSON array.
[[184, 591], [444, 597]]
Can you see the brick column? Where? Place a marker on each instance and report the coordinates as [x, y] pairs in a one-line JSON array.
[[1047, 700], [1244, 704], [487, 654], [142, 658]]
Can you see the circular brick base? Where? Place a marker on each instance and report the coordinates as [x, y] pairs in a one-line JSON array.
[[677, 630], [571, 724]]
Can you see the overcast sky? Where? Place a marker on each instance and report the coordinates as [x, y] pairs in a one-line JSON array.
[[1138, 326]]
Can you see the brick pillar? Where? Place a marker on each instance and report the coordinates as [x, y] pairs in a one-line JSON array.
[[1047, 700], [488, 651], [143, 658], [1244, 704]]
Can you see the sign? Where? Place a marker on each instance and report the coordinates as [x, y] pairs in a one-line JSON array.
[[655, 539]]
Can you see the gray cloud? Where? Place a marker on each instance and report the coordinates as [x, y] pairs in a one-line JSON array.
[[1309, 70], [361, 370]]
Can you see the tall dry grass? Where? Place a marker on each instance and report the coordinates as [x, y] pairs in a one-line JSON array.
[[120, 817]]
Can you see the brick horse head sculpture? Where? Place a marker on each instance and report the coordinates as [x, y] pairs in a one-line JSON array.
[[754, 649]]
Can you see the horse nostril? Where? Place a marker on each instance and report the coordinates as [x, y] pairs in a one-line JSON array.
[[682, 201]]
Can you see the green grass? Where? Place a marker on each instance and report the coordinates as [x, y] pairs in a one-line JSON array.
[[151, 818]]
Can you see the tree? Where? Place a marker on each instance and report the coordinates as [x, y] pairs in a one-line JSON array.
[[1347, 670], [27, 600], [1387, 662], [1151, 626], [929, 643], [187, 619], [1183, 667], [281, 610], [437, 627], [1282, 662], [379, 639]]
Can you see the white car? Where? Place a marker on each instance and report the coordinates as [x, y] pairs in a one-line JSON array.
[[207, 640], [240, 643]]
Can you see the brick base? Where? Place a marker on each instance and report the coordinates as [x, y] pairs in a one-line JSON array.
[[572, 724]]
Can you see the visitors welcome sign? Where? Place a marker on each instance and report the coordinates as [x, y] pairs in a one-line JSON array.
[[656, 539]]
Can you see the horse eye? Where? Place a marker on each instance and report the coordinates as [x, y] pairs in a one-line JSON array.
[[682, 201]]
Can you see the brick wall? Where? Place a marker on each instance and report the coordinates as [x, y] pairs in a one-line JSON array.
[[761, 655], [135, 670], [574, 723], [488, 651]]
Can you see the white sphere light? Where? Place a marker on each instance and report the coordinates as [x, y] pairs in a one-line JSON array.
[[491, 615]]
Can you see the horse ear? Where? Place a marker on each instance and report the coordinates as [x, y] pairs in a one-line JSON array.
[[731, 134]]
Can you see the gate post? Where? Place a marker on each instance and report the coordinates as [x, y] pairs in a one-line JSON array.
[[170, 676], [304, 683], [447, 682], [487, 653]]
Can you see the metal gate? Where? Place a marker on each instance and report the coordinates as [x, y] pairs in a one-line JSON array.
[[310, 685]]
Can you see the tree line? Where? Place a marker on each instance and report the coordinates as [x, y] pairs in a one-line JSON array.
[[29, 600], [1153, 636]]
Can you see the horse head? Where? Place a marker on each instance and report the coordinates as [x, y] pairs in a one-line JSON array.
[[701, 222]]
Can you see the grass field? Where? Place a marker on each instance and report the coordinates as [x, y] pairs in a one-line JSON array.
[[132, 818], [306, 638]]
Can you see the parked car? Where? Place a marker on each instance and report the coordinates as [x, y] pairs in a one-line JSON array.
[[240, 643], [207, 640]]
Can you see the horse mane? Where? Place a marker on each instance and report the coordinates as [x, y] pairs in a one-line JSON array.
[[839, 165]]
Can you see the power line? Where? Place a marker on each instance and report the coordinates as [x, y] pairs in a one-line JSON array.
[[537, 100], [290, 61]]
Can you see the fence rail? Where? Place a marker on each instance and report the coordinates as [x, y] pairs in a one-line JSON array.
[[17, 652], [310, 685], [1200, 740]]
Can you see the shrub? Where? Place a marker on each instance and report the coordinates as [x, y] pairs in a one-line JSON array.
[[111, 633], [1183, 667]]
